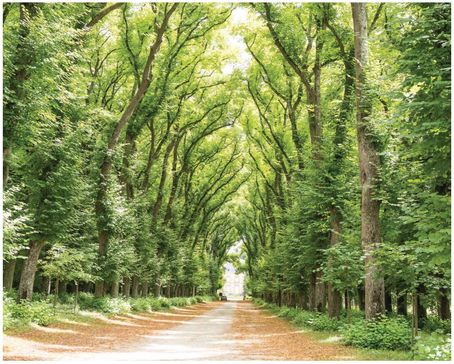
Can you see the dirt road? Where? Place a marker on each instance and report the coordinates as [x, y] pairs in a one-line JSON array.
[[213, 331]]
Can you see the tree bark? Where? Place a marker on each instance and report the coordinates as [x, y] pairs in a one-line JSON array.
[[62, 286], [135, 287], [126, 287], [444, 312], [402, 305], [8, 274], [144, 289], [388, 301], [115, 288], [334, 297], [27, 278], [369, 164]]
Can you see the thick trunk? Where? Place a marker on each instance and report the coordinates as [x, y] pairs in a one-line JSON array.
[[135, 287], [27, 278], [115, 288], [369, 164], [144, 289], [444, 310], [126, 287], [62, 286], [157, 290], [8, 274], [402, 305]]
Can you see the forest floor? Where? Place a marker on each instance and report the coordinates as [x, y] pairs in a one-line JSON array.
[[234, 330]]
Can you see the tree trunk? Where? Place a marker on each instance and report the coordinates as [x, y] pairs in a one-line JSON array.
[[402, 305], [361, 298], [369, 164], [115, 288], [334, 297], [106, 166], [312, 292], [421, 309], [57, 285], [135, 287], [320, 298], [27, 278], [388, 301], [144, 289], [126, 287], [444, 312], [62, 287], [8, 274]]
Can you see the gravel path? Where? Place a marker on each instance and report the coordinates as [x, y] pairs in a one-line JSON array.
[[202, 338], [213, 331]]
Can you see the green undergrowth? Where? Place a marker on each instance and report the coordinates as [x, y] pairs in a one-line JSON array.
[[40, 311], [387, 338]]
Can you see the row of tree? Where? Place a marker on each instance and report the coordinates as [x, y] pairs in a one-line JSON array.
[[341, 90], [142, 140], [117, 172]]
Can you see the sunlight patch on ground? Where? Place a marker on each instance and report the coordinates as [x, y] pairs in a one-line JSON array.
[[331, 339], [53, 329]]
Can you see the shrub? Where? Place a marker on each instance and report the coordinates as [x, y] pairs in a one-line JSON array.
[[140, 304], [164, 302], [304, 318], [103, 304], [17, 314], [382, 333], [322, 322], [433, 323], [435, 346]]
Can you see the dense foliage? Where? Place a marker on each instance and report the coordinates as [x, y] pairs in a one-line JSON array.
[[141, 141]]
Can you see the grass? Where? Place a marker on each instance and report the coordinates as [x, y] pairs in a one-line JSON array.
[[323, 337]]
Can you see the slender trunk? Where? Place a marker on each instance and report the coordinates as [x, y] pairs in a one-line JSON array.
[[101, 209], [334, 297], [160, 195], [415, 323], [388, 301], [8, 274], [361, 298], [126, 287], [27, 278], [320, 296], [421, 309], [57, 285], [76, 296], [369, 164], [402, 305]]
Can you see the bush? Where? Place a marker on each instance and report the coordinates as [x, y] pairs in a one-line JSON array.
[[382, 333], [103, 304], [435, 346], [140, 304], [322, 322], [17, 314], [433, 323]]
